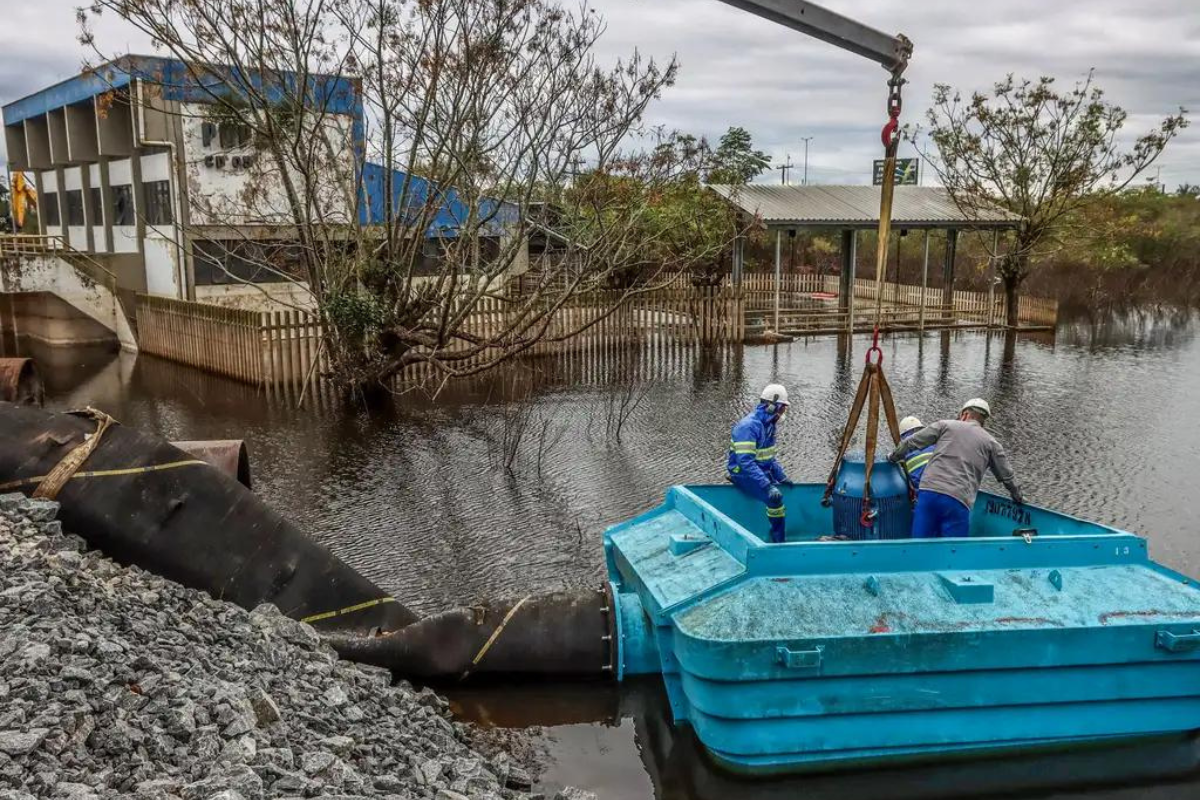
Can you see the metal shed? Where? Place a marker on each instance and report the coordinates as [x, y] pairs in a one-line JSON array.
[[854, 208]]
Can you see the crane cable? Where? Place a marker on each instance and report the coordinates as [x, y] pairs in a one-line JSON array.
[[873, 390]]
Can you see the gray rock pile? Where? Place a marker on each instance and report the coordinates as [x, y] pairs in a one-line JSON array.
[[117, 683]]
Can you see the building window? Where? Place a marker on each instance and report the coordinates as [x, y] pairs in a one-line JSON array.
[[234, 135], [75, 207], [122, 205], [48, 208], [97, 201], [158, 202], [236, 262]]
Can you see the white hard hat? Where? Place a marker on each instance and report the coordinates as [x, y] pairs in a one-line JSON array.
[[910, 424], [775, 393], [979, 405]]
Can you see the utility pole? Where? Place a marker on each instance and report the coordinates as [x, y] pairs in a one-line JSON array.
[[784, 169], [806, 139]]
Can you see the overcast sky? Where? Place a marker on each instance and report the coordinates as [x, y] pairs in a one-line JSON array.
[[781, 86]]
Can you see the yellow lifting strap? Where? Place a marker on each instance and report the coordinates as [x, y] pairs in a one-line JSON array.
[[873, 390]]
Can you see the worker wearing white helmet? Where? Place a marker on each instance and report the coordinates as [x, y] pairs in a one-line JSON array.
[[752, 464], [916, 461], [962, 452]]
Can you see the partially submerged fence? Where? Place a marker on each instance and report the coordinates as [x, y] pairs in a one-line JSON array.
[[286, 348], [812, 304]]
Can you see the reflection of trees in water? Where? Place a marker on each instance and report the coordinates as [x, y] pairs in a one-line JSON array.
[[1143, 328]]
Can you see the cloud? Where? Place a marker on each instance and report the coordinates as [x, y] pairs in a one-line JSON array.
[[738, 69]]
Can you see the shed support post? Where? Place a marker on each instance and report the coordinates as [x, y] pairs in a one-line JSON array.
[[924, 281], [991, 317], [778, 276], [846, 289], [739, 244], [948, 274]]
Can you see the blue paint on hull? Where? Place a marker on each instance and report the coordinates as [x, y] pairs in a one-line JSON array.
[[817, 655]]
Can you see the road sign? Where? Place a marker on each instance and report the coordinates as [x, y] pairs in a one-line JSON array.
[[907, 171]]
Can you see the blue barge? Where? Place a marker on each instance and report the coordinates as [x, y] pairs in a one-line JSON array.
[[1038, 631]]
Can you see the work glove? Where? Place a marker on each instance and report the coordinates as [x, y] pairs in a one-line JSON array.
[[1014, 492], [894, 458], [775, 496], [787, 482]]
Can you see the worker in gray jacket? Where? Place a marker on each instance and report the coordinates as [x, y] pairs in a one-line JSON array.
[[962, 451]]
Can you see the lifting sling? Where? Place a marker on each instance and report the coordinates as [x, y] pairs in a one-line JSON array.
[[873, 390]]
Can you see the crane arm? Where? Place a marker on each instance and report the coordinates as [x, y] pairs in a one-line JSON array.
[[892, 52]]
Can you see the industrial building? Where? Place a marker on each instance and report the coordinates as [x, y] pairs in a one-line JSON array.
[[137, 177]]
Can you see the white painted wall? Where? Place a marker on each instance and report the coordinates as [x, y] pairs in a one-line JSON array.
[[255, 195], [99, 234], [77, 235], [125, 239], [156, 167], [161, 268], [160, 248]]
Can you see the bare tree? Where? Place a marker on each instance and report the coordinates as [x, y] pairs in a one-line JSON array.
[[1039, 152], [478, 114]]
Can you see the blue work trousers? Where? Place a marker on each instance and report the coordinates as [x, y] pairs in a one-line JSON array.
[[940, 516], [775, 509]]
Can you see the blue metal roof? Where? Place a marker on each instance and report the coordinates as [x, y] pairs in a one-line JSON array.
[[336, 94], [452, 213]]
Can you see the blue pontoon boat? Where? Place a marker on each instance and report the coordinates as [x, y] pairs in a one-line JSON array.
[[1039, 631]]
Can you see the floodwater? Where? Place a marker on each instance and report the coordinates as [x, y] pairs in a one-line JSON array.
[[506, 484]]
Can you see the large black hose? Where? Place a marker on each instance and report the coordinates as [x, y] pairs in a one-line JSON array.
[[562, 634], [155, 506]]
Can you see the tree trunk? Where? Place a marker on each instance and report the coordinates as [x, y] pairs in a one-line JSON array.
[[1014, 270], [1012, 283]]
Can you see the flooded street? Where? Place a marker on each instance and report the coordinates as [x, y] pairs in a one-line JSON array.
[[1097, 421]]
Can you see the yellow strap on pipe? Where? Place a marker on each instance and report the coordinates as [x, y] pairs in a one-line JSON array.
[[348, 609], [103, 473], [512, 612]]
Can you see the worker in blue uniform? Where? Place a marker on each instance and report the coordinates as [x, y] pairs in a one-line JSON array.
[[752, 465], [916, 461]]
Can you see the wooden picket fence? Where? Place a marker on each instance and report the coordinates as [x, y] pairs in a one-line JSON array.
[[225, 341], [285, 348]]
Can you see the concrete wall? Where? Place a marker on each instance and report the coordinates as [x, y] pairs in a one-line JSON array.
[[114, 126], [60, 278], [37, 141], [49, 319], [81, 132], [57, 122], [263, 297], [14, 139], [233, 195]]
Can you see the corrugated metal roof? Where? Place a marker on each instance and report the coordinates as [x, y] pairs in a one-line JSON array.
[[858, 207]]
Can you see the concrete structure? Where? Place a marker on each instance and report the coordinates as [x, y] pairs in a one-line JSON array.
[[137, 173]]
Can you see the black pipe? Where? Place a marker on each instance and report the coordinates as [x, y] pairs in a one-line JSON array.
[[562, 634], [189, 523]]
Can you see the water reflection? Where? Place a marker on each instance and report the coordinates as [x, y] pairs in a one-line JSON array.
[[1096, 422], [637, 718]]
